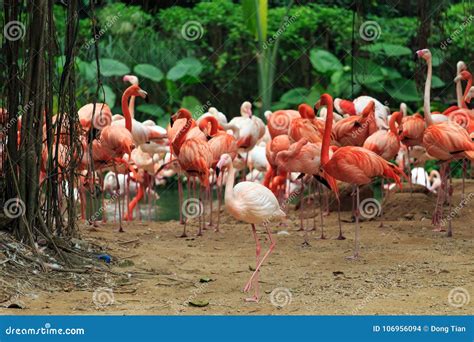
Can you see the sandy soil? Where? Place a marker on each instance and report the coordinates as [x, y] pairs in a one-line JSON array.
[[405, 268]]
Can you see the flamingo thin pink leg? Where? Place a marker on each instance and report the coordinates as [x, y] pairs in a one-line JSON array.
[[180, 196], [256, 297], [257, 269], [118, 199], [357, 228], [322, 237], [301, 209]]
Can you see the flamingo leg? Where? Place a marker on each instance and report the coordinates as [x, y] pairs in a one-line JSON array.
[[185, 219], [450, 203], [301, 209], [341, 236], [211, 192], [219, 201], [118, 199], [381, 203], [464, 173], [255, 298], [438, 213], [203, 216], [357, 228], [180, 196], [322, 237], [270, 250]]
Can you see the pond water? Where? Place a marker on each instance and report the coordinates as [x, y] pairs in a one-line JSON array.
[[165, 208]]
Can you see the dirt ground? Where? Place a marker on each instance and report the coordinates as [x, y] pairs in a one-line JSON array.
[[404, 268]]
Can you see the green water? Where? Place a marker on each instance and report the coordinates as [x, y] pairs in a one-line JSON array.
[[167, 207]]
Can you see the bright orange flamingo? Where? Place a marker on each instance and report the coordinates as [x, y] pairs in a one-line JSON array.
[[351, 164], [445, 141], [304, 157], [220, 143], [279, 121], [194, 157], [307, 126], [386, 143], [353, 131]]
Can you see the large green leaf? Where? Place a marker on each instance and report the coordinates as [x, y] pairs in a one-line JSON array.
[[148, 71], [366, 71], [437, 82], [324, 61], [151, 109], [112, 67], [193, 104], [403, 90], [185, 67], [108, 96], [390, 50], [256, 12], [295, 96]]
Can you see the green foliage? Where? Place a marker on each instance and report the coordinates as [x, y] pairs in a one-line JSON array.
[[220, 67]]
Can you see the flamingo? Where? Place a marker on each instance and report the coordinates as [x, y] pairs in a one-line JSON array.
[[304, 157], [279, 121], [251, 129], [354, 130], [251, 203], [357, 106], [351, 164], [307, 126], [386, 143], [220, 143], [194, 157], [446, 141]]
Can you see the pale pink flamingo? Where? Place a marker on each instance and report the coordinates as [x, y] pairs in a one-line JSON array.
[[252, 203]]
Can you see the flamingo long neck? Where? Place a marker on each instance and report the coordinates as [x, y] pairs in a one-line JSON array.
[[229, 185], [132, 107], [125, 109], [426, 99], [396, 117], [181, 135], [214, 125], [466, 92], [326, 99]]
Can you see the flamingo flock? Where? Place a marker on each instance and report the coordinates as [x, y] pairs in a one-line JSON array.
[[312, 150]]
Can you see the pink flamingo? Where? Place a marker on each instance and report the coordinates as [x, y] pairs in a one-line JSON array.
[[251, 203], [351, 164], [446, 141]]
